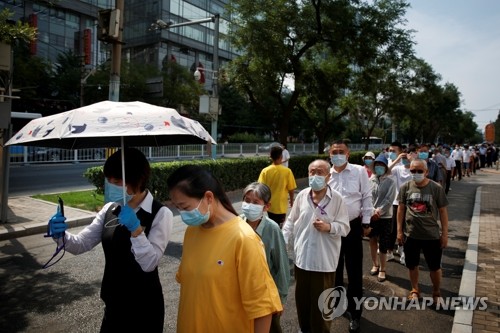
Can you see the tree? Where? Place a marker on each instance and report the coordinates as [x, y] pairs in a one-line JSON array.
[[16, 34], [179, 87], [281, 39], [497, 129], [66, 78], [14, 30]]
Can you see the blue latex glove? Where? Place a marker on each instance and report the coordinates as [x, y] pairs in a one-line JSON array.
[[128, 218], [57, 225]]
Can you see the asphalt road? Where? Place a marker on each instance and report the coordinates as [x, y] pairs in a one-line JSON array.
[[65, 297], [48, 178]]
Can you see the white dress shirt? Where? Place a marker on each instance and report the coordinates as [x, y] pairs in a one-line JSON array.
[[355, 188], [401, 175], [317, 251], [147, 250]]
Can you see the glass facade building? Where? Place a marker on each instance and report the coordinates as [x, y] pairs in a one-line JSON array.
[[72, 25]]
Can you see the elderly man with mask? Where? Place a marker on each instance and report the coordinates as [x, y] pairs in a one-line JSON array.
[[421, 203], [352, 182], [317, 220]]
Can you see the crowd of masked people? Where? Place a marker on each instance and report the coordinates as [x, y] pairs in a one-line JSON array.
[[235, 272]]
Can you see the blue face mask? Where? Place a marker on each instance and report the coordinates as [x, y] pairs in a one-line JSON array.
[[317, 183], [339, 160], [406, 161], [194, 217], [368, 161], [423, 155], [379, 170], [114, 193], [393, 156]]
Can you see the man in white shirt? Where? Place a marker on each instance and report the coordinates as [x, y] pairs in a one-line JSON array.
[[352, 182], [285, 156], [458, 156], [400, 171], [317, 220], [466, 170], [450, 168]]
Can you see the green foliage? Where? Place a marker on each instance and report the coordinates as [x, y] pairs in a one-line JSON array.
[[33, 76], [66, 77], [18, 30], [246, 138], [180, 88], [233, 173], [497, 129], [86, 200]]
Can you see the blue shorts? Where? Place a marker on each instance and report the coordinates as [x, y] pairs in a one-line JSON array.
[[432, 253]]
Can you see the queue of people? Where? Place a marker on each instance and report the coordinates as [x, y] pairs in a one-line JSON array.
[[235, 266]]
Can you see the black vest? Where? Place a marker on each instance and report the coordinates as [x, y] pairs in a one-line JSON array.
[[125, 287]]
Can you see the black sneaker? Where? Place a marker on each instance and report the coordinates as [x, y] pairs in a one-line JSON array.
[[354, 326]]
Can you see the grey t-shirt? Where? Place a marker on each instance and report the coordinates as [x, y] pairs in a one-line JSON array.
[[422, 209]]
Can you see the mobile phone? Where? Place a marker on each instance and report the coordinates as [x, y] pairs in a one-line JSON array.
[[61, 205]]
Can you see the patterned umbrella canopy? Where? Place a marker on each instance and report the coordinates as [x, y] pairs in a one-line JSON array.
[[112, 124]]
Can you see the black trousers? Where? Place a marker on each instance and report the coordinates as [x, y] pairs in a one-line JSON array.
[[448, 181], [394, 229], [351, 254], [458, 169]]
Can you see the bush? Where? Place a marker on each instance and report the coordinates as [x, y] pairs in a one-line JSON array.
[[234, 174]]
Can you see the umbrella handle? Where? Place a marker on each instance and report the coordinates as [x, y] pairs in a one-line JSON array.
[[116, 211]]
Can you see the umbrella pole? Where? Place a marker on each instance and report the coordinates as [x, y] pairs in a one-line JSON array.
[[124, 186]]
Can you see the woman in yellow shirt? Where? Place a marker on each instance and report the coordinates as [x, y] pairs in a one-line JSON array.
[[225, 281]]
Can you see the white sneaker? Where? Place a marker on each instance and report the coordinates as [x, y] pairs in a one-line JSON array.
[[402, 259], [390, 256]]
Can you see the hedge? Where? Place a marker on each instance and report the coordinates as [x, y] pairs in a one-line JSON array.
[[234, 174]]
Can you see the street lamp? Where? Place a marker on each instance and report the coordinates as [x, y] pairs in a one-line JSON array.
[[213, 109]]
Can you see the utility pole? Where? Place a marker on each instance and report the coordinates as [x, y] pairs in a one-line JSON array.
[[214, 100], [116, 57]]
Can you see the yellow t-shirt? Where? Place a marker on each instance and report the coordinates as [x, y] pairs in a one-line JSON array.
[[225, 281], [280, 180]]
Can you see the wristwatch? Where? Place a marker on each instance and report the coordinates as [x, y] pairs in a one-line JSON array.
[[366, 225]]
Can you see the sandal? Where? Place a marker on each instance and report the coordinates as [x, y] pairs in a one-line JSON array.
[[381, 278], [374, 270], [436, 298], [414, 295]]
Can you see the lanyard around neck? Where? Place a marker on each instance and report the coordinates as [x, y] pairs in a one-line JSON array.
[[321, 208]]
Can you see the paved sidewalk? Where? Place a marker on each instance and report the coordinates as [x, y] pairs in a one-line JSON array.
[[488, 277], [28, 216], [480, 278]]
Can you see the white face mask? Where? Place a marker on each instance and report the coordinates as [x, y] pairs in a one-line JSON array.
[[339, 160], [418, 177], [253, 212]]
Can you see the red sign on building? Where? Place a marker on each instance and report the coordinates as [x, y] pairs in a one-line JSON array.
[[33, 21], [87, 46]]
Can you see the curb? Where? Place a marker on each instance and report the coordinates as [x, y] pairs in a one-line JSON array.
[[462, 321], [13, 231]]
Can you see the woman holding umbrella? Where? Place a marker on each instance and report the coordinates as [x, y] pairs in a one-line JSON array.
[[133, 244]]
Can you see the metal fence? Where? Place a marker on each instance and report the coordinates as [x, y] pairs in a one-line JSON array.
[[28, 155]]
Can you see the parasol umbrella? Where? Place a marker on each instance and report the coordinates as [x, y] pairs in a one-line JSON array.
[[112, 124]]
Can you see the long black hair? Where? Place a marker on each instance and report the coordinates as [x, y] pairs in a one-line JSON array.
[[194, 181]]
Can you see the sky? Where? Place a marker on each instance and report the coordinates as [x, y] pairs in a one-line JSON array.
[[460, 39]]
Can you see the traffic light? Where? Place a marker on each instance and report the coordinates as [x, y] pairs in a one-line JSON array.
[[109, 24]]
